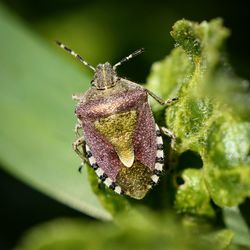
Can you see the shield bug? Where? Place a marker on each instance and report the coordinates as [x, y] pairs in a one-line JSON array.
[[120, 139]]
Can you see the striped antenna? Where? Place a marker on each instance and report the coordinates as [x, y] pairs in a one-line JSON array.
[[135, 53], [70, 51]]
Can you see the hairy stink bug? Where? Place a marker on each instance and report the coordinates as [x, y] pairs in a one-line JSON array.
[[120, 138]]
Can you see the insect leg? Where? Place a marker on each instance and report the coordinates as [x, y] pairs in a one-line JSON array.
[[161, 101], [77, 97], [78, 126], [80, 143], [170, 134]]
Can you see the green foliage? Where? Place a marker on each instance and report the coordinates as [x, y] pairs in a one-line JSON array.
[[192, 197], [133, 232], [236, 223], [202, 121], [188, 35]]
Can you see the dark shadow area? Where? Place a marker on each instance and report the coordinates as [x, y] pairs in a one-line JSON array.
[[244, 209], [23, 207], [189, 159]]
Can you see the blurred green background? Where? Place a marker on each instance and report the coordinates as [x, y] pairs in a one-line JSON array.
[[100, 31], [109, 30]]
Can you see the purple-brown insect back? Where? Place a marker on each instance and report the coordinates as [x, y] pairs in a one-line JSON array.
[[120, 138]]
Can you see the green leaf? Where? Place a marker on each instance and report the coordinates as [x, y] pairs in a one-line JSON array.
[[36, 129], [188, 35], [223, 238], [192, 197], [133, 232], [234, 221], [207, 119]]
